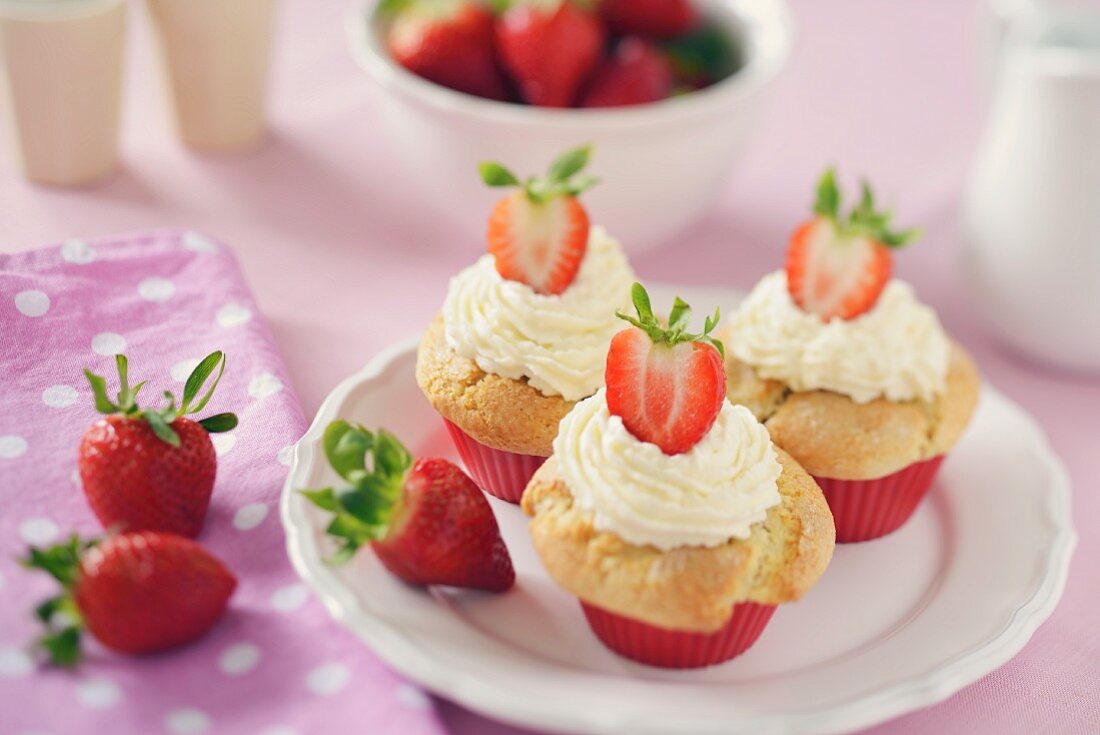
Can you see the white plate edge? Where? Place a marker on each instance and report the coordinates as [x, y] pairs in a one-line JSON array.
[[879, 707]]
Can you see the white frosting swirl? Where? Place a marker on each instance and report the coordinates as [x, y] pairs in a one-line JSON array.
[[897, 349], [705, 497], [559, 343]]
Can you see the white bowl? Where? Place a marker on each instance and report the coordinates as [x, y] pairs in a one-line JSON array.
[[662, 165]]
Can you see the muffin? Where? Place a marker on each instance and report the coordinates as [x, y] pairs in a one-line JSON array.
[[852, 375], [524, 331], [668, 511]]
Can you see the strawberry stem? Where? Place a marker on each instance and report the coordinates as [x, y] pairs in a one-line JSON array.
[[864, 220], [679, 319], [60, 615], [560, 179], [363, 510], [160, 420]]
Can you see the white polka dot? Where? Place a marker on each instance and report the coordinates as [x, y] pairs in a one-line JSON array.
[[290, 597], [156, 289], [32, 303], [78, 252], [38, 531], [233, 315], [108, 344], [59, 396], [183, 369], [264, 385], [15, 662], [2, 580], [187, 721], [412, 697], [286, 455], [328, 679], [98, 693], [223, 443], [239, 659], [63, 619], [279, 730], [75, 477], [12, 447], [249, 516], [198, 243]]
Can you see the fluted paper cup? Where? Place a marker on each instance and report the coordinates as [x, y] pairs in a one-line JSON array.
[[501, 474], [869, 509], [678, 649]]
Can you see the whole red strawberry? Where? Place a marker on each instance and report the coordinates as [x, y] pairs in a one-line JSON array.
[[428, 523], [449, 42], [149, 469], [549, 48], [666, 384], [636, 73], [837, 267], [539, 233], [661, 19], [135, 593]]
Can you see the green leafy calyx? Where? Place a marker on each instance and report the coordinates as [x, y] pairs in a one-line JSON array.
[[374, 465], [679, 319], [193, 400], [561, 179], [60, 615], [864, 220]]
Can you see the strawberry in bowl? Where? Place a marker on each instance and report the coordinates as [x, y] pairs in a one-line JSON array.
[[145, 469], [426, 521]]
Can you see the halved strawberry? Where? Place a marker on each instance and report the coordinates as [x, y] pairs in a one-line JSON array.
[[667, 385], [539, 234], [836, 266], [427, 522]]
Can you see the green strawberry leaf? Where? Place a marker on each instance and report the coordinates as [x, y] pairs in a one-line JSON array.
[[103, 404], [375, 466], [196, 380], [219, 423], [703, 56], [161, 428], [676, 331], [864, 219], [493, 174], [62, 646], [568, 164]]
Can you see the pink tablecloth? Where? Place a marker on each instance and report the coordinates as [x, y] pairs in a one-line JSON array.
[[344, 260], [275, 664]]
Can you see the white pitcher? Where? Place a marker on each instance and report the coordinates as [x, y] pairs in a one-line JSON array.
[[1032, 213]]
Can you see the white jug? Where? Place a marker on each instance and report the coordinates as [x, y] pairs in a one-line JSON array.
[[1032, 213]]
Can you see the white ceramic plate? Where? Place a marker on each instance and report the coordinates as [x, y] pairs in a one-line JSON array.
[[894, 624]]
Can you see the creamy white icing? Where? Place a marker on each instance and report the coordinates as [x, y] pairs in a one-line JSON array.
[[559, 343], [705, 497], [897, 349]]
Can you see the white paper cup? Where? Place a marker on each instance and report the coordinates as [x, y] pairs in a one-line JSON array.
[[215, 55], [61, 78]]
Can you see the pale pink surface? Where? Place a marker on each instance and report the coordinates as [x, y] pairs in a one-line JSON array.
[[343, 261]]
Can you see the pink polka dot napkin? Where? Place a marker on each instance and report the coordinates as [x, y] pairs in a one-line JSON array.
[[276, 664]]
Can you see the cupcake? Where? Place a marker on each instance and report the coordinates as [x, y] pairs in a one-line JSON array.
[[668, 511], [524, 331], [852, 375]]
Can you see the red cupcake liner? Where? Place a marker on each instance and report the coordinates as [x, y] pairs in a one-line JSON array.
[[502, 474], [678, 649], [868, 509]]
